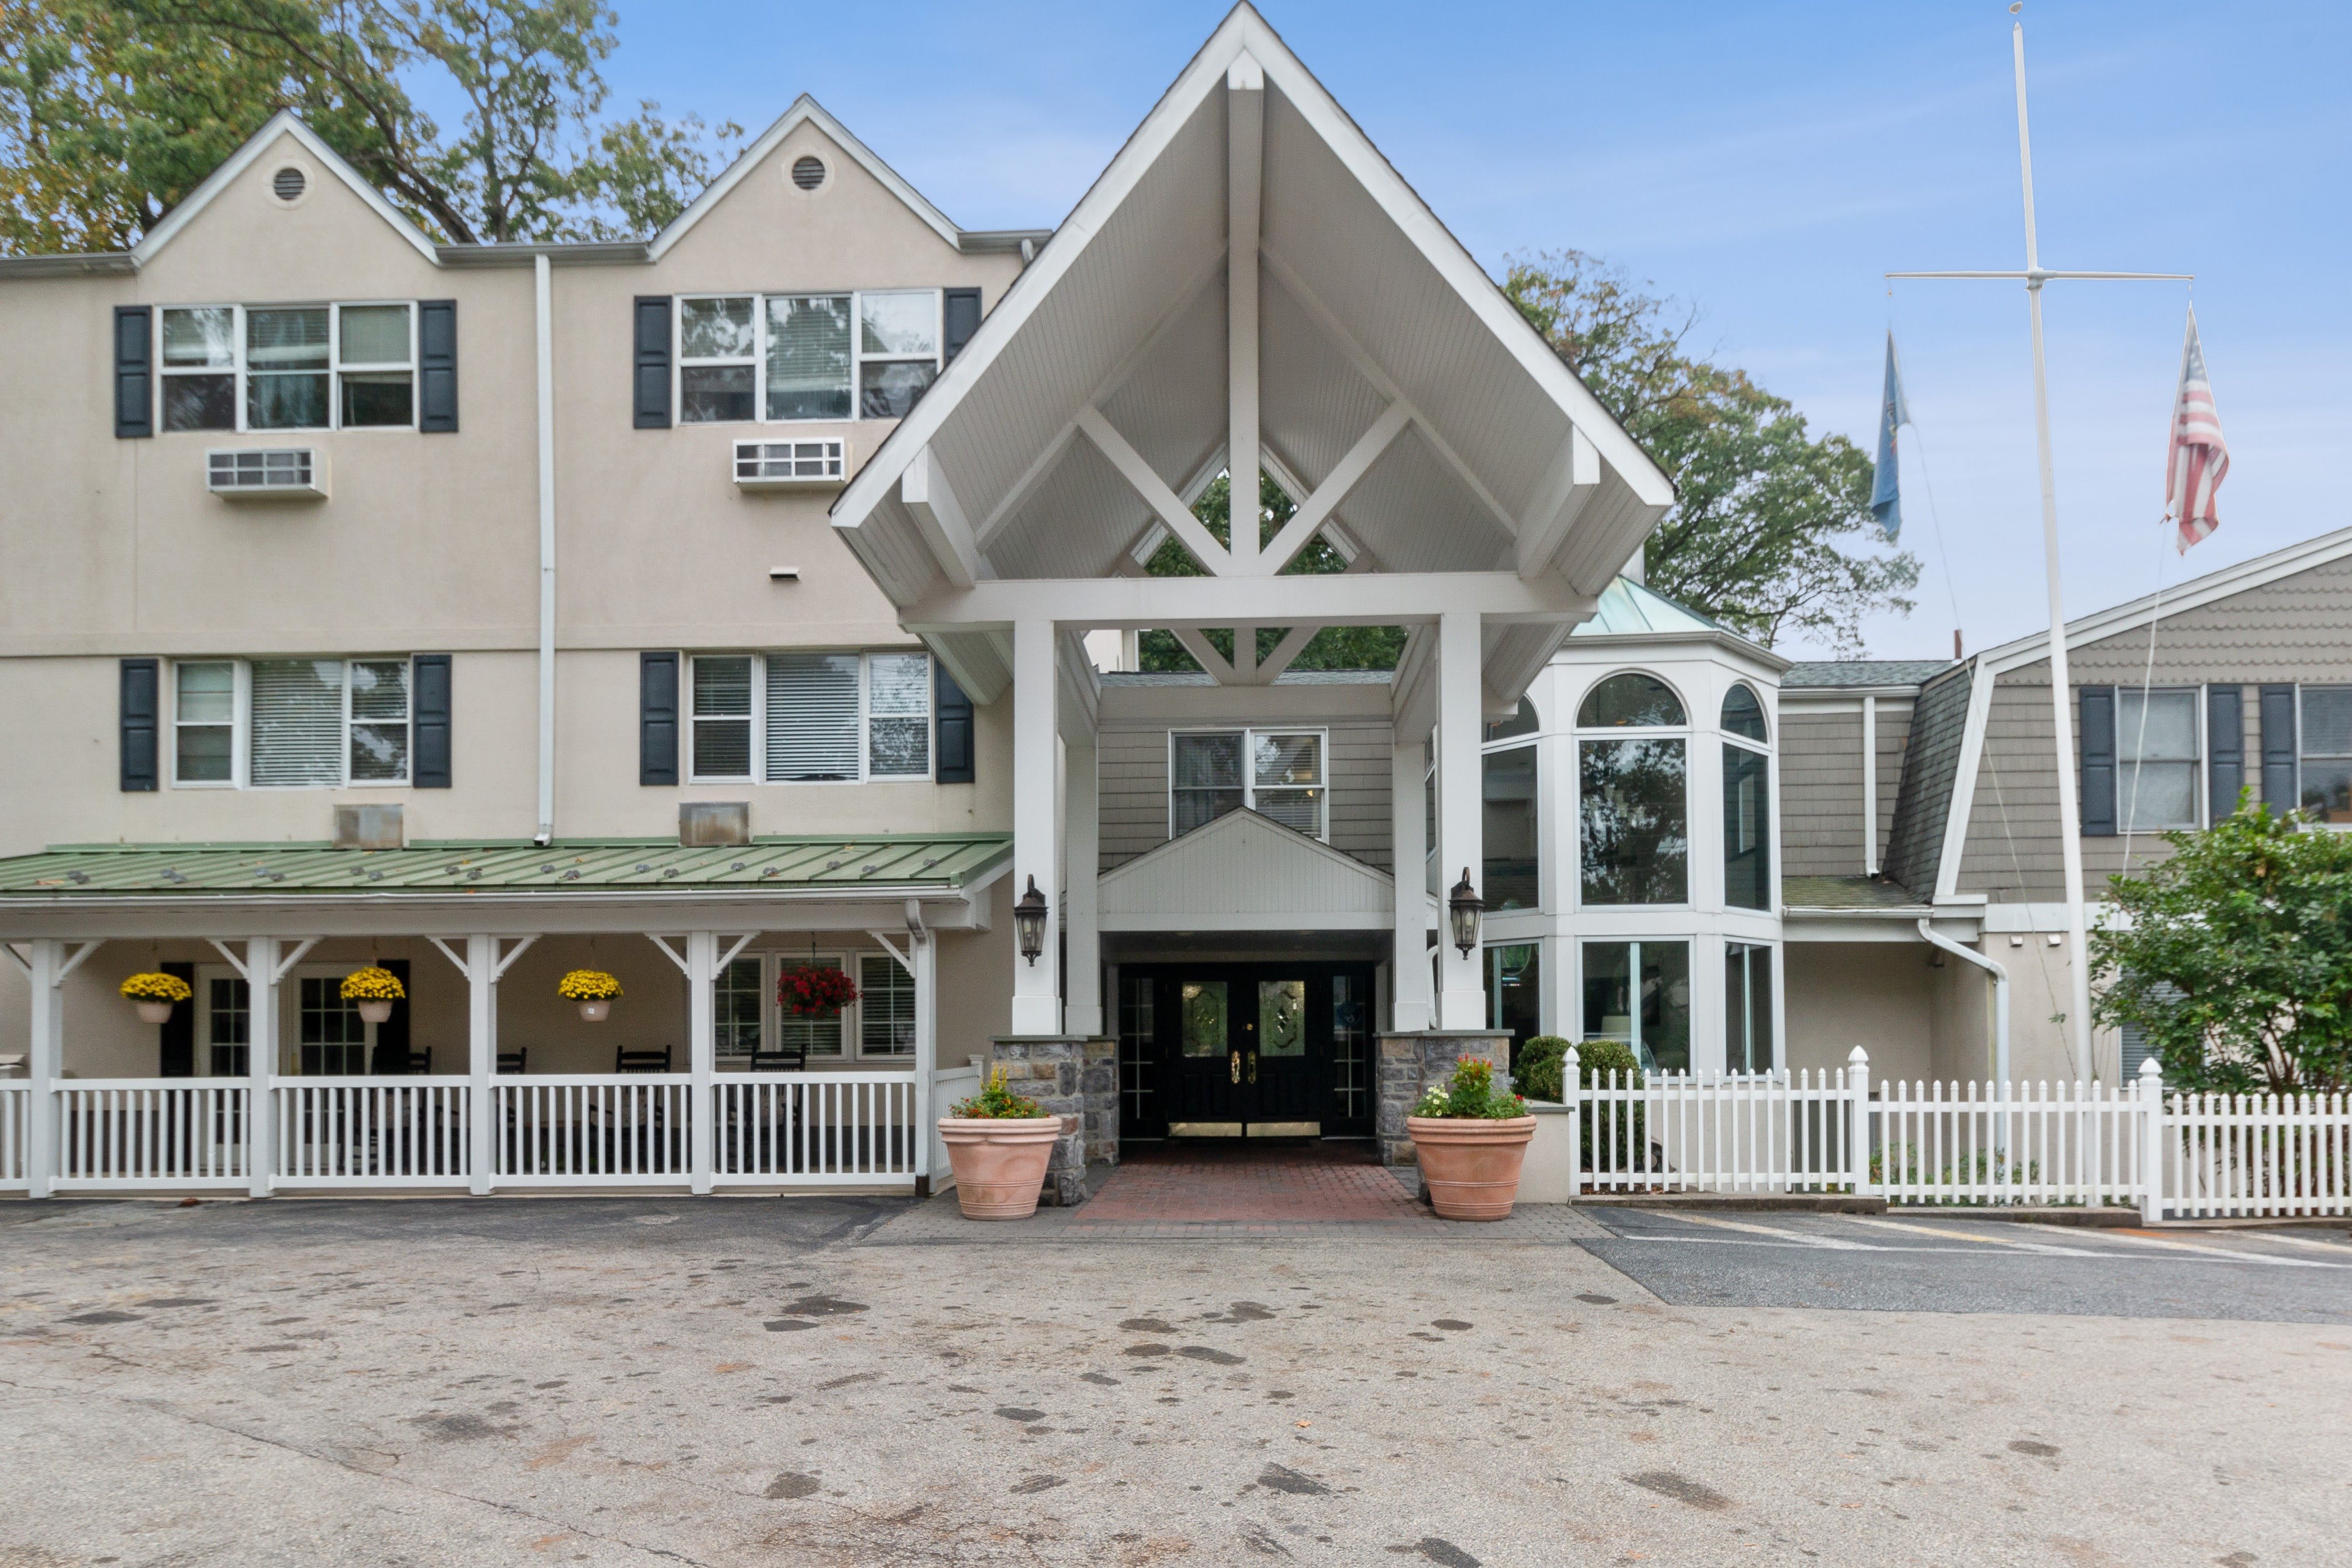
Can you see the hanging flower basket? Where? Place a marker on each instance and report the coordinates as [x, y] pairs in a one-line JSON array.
[[375, 989], [813, 991], [156, 994], [592, 989]]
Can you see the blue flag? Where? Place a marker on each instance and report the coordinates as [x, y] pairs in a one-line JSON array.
[[1886, 486]]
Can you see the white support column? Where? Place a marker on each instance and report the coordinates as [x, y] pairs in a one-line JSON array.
[[1244, 186], [481, 1055], [927, 1041], [1869, 785], [701, 1050], [1408, 855], [43, 1061], [1461, 806], [1036, 852], [261, 977], [1083, 1014]]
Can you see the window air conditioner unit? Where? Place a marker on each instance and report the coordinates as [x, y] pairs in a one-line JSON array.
[[266, 473], [791, 465]]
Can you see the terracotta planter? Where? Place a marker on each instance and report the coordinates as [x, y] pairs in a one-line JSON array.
[[1471, 1165], [1000, 1161], [375, 1012], [154, 1012], [596, 1012]]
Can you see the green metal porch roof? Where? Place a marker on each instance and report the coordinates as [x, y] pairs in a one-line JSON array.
[[943, 860]]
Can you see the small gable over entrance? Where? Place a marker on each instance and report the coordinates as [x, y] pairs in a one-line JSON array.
[[1246, 872]]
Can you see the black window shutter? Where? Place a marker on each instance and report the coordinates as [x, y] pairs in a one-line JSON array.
[[2097, 705], [951, 716], [134, 370], [962, 318], [657, 717], [140, 677], [2225, 744], [652, 362], [175, 1038], [436, 366], [392, 1035], [429, 712], [2279, 791]]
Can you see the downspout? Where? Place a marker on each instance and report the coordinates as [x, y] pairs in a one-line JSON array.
[[2000, 994], [543, 290]]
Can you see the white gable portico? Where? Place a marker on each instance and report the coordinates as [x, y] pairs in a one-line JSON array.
[[1250, 287]]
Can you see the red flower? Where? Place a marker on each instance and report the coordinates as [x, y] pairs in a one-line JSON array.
[[813, 991]]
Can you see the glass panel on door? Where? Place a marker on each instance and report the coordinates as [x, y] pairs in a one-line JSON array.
[[1282, 1017], [1204, 1017]]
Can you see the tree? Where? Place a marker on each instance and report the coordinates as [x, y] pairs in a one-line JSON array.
[[1770, 532], [111, 112], [1333, 647], [2233, 957]]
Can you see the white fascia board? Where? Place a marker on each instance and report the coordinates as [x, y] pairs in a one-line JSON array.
[[2197, 591], [806, 110], [1366, 598], [285, 122], [1964, 780]]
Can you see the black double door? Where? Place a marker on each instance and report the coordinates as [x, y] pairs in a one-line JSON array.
[[1251, 1050]]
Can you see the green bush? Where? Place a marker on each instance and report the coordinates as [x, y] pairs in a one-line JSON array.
[[1623, 1129], [1597, 1058], [1541, 1063]]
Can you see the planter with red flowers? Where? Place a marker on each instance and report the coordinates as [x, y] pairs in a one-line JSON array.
[[815, 991]]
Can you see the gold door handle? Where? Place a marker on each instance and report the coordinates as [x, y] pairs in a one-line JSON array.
[[1253, 1067], [1237, 1067]]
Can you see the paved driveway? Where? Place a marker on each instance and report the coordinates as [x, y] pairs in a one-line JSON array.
[[750, 1381]]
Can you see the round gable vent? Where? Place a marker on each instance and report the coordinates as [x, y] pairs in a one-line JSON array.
[[287, 184], [808, 172]]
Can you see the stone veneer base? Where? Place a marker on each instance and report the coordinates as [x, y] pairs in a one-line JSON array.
[[1070, 1075], [1410, 1063]]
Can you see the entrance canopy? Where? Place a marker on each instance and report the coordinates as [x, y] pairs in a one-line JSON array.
[[1251, 285]]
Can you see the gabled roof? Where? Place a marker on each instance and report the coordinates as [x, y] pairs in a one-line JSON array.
[[285, 122], [1381, 343], [1246, 872]]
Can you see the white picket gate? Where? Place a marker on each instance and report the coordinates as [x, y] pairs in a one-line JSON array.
[[125, 1133], [2269, 1156], [831, 1128], [372, 1132], [16, 1171]]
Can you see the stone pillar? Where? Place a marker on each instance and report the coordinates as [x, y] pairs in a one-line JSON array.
[[1411, 1064], [1076, 1077]]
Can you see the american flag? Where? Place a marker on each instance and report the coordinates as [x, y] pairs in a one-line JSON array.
[[2198, 459]]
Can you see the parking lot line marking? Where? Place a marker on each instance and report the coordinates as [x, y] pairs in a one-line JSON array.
[[1794, 1237], [2336, 1247], [2268, 1260], [1950, 1230]]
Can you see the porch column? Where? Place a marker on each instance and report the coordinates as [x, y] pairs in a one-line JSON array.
[[1462, 997], [701, 1050], [481, 1058], [1081, 811], [1409, 854], [926, 955], [44, 1059], [1036, 854], [262, 968]]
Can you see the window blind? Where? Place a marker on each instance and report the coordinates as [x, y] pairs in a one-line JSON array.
[[811, 716], [886, 1016], [298, 722]]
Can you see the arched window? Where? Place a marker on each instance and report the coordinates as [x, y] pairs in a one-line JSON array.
[[1631, 701], [1743, 715], [1633, 795]]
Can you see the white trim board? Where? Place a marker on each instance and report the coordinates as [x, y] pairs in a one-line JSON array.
[[285, 122]]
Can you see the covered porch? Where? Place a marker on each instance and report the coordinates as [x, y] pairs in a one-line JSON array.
[[483, 1079]]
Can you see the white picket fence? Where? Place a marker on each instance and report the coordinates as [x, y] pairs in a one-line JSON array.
[[1930, 1144], [591, 1129]]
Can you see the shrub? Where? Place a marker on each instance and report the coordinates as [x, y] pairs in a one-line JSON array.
[[996, 1101], [1595, 1059], [1623, 1130], [1542, 1061]]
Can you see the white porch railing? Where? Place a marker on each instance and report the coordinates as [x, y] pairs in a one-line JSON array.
[[836, 1129], [591, 1129], [118, 1133], [372, 1132], [2256, 1155], [14, 1174]]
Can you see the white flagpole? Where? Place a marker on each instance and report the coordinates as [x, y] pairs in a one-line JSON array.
[[2061, 691]]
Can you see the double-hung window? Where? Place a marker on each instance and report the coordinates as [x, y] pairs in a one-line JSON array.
[[2156, 760], [1276, 772], [289, 367], [2326, 753], [863, 356], [290, 722], [808, 717]]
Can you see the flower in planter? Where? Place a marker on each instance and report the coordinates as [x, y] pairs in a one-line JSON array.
[[152, 987], [587, 985], [997, 1101], [373, 984], [814, 991], [1471, 1095]]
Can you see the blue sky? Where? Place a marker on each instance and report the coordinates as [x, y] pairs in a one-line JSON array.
[[1766, 161]]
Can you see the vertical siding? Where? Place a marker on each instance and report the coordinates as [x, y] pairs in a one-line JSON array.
[[1133, 772], [2291, 630]]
